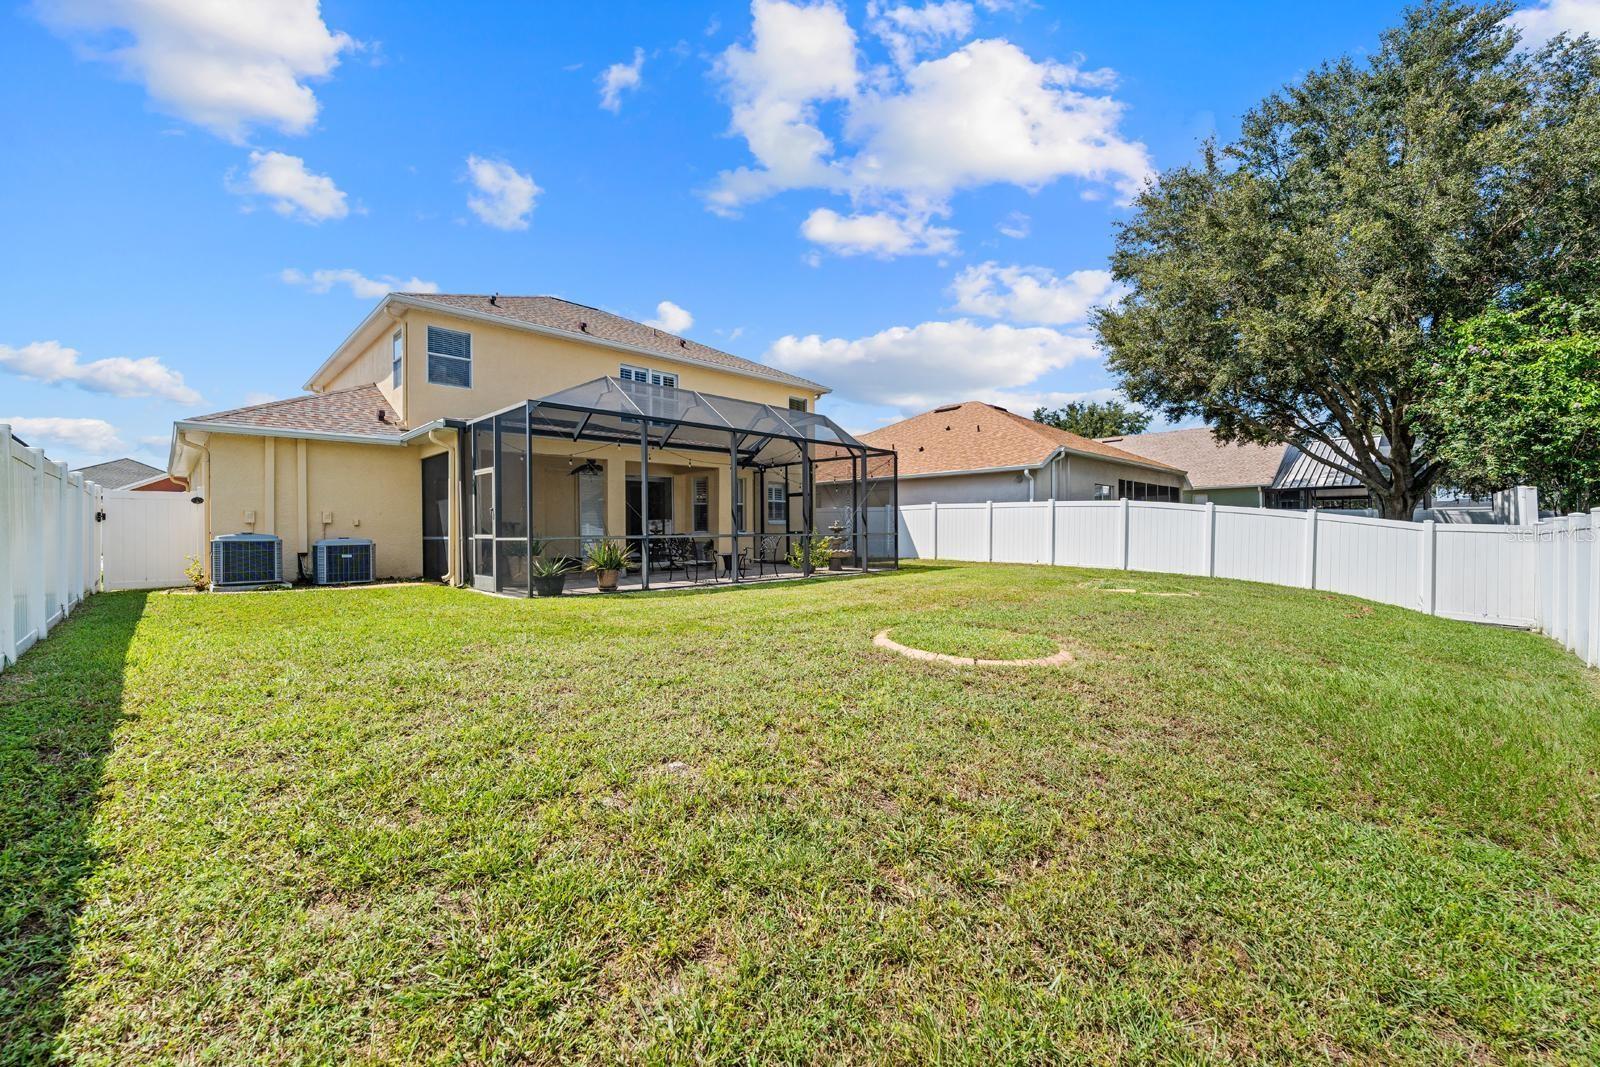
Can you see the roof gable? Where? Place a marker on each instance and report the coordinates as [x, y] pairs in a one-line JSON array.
[[117, 473], [354, 411], [976, 436]]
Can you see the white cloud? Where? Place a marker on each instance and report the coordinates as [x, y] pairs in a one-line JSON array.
[[93, 437], [223, 65], [54, 363], [504, 197], [881, 234], [1547, 18], [799, 57], [1015, 225], [917, 367], [1031, 294], [295, 192], [908, 31], [361, 286], [984, 114], [618, 79], [671, 318]]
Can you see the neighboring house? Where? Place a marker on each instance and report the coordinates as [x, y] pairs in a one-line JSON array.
[[126, 473], [374, 450], [1248, 475], [974, 452]]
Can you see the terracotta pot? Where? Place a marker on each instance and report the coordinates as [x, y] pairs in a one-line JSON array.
[[606, 581]]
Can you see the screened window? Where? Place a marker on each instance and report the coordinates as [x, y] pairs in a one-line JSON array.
[[1104, 492], [398, 358], [777, 503], [449, 357], [702, 504], [1129, 489]]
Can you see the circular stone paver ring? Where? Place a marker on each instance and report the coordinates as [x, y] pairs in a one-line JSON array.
[[883, 640]]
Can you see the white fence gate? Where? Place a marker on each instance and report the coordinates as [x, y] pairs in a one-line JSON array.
[[149, 537], [1545, 576], [49, 544]]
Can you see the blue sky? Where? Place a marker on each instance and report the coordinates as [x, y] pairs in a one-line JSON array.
[[911, 202]]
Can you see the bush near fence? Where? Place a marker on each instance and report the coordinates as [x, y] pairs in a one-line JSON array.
[[1545, 576], [49, 544]]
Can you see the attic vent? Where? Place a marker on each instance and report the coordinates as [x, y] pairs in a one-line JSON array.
[[948, 407], [382, 415], [682, 343], [584, 326]]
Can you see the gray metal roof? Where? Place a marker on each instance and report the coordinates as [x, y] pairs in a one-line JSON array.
[[1307, 469]]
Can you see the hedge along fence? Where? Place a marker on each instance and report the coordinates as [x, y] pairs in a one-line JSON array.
[[49, 544], [1545, 576]]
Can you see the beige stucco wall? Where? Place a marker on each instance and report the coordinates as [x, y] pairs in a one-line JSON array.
[[509, 365], [371, 491]]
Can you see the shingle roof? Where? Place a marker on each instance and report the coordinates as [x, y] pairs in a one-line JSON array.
[[116, 473], [346, 411], [978, 436], [557, 314], [1211, 465]]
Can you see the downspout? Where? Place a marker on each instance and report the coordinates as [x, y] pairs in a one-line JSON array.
[[1028, 474]]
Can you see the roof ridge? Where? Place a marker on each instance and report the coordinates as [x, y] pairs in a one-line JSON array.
[[302, 398]]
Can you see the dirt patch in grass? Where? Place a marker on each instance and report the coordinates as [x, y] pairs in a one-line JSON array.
[[951, 637]]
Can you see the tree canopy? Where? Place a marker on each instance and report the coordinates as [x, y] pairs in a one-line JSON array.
[[1089, 418], [1515, 400], [1291, 285]]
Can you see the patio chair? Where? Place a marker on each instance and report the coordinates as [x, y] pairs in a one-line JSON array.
[[769, 555]]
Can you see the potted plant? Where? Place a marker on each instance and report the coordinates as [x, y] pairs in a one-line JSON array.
[[550, 576], [195, 571], [608, 558], [821, 553]]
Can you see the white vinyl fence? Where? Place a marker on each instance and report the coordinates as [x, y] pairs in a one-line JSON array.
[[49, 544], [1545, 576]]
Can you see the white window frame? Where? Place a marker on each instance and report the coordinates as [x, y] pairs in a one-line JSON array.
[[779, 495], [1105, 492], [700, 504], [630, 372], [738, 507], [397, 359], [447, 355]]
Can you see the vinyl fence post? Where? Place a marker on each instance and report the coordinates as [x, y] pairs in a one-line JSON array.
[[1427, 576], [1211, 539], [1309, 568], [988, 530], [75, 555], [63, 538], [1052, 531], [1122, 535], [8, 530], [36, 549], [1594, 588], [1570, 630], [933, 526]]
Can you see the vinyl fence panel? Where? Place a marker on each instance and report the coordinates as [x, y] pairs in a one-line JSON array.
[[48, 543], [1545, 576]]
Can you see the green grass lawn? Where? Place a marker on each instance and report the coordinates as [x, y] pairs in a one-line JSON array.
[[416, 824]]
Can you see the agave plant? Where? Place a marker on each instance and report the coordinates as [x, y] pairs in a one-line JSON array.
[[552, 568], [608, 555]]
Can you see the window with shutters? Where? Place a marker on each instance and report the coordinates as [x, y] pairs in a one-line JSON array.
[[797, 403], [449, 357], [702, 505], [777, 503], [629, 373]]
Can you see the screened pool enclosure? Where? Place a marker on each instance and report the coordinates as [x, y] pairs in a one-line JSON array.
[[702, 488]]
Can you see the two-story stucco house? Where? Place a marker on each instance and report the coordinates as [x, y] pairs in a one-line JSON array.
[[379, 448]]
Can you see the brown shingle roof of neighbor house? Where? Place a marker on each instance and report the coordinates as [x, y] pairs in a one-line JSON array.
[[343, 411], [116, 473], [976, 436], [557, 314], [1211, 465]]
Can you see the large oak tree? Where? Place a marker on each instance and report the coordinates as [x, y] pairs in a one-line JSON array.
[[1290, 286]]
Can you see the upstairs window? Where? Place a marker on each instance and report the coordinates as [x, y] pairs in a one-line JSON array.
[[797, 403], [644, 376], [777, 503], [398, 358], [449, 357]]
